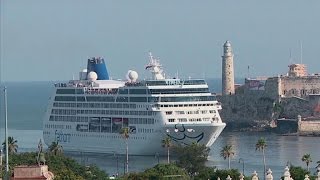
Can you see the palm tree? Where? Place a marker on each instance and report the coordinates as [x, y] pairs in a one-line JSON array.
[[55, 148], [166, 142], [125, 133], [227, 152], [306, 158], [261, 146], [12, 145]]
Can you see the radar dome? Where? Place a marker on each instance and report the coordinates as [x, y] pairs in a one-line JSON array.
[[132, 76], [92, 76]]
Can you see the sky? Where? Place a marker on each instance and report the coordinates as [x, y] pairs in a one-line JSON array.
[[45, 40]]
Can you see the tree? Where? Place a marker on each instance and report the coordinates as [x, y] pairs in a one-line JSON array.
[[12, 145], [125, 134], [297, 172], [227, 152], [192, 157], [306, 158], [261, 146], [213, 173], [167, 144], [61, 166], [55, 148], [166, 171]]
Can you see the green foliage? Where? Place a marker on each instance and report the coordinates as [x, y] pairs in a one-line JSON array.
[[277, 108], [261, 144], [298, 172], [125, 132], [23, 158], [12, 145], [206, 173], [192, 157], [160, 172], [213, 174], [307, 159], [166, 142], [63, 168], [55, 148], [227, 152]]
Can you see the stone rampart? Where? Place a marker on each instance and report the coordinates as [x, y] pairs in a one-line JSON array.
[[309, 127]]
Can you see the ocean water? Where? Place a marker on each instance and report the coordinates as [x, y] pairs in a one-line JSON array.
[[27, 102]]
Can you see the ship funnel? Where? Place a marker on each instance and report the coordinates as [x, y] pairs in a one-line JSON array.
[[98, 66]]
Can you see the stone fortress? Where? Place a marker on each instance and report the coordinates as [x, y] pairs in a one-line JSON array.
[[260, 102]]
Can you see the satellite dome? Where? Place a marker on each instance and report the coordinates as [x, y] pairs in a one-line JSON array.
[[92, 76], [132, 76]]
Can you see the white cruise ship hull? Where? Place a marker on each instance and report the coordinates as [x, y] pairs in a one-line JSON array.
[[139, 144]]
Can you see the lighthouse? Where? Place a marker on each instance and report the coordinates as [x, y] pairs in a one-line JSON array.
[[227, 70]]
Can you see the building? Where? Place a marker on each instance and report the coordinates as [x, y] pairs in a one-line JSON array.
[[33, 172], [227, 70]]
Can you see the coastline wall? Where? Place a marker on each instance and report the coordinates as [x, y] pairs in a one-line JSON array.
[[306, 127]]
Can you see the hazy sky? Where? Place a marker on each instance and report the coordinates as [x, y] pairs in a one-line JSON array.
[[52, 40]]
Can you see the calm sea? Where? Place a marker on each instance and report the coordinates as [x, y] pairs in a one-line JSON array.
[[27, 102]]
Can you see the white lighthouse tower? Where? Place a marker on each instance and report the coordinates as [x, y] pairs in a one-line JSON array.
[[227, 70]]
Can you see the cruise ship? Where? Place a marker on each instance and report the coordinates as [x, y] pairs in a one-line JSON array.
[[87, 115]]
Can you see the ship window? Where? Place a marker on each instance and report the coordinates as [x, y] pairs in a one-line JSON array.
[[66, 91], [188, 98], [180, 112], [138, 99], [100, 98], [193, 82], [64, 98], [171, 120], [137, 91], [182, 119], [168, 112], [153, 99], [81, 98], [179, 91], [123, 91], [122, 99], [204, 112], [79, 91]]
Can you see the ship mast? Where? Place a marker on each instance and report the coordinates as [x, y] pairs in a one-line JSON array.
[[155, 68]]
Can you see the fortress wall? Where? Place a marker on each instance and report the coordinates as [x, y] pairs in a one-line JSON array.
[[309, 127], [272, 88], [300, 86], [292, 107], [246, 107]]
